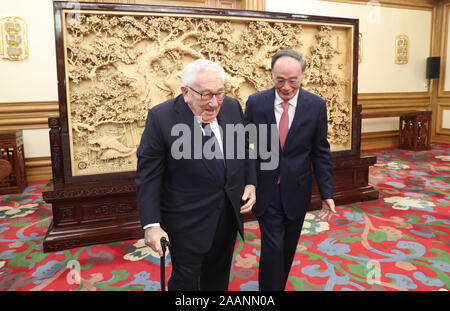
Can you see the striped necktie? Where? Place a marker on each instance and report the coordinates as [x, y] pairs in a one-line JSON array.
[[217, 154]]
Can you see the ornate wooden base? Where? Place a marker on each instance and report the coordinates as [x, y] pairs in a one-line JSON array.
[[351, 182], [91, 213], [100, 212], [12, 175]]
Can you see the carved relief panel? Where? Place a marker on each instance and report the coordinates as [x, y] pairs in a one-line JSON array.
[[119, 63]]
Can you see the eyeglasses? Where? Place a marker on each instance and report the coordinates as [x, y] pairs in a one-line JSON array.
[[291, 82], [208, 96]]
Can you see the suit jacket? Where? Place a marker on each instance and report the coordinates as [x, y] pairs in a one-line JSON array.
[[306, 146], [186, 195]]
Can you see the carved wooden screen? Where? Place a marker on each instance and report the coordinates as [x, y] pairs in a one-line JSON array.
[[115, 61]]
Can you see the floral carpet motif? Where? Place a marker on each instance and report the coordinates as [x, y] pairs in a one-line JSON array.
[[398, 242]]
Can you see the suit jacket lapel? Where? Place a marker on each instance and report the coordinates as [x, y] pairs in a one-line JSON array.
[[269, 108], [269, 112]]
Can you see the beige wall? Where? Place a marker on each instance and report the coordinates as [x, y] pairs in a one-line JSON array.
[[446, 119], [441, 87], [33, 79], [379, 26], [36, 143]]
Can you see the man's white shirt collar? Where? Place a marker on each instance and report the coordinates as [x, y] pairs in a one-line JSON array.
[[215, 128], [292, 101]]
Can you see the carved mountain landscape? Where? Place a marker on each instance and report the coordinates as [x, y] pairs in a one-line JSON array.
[[118, 66]]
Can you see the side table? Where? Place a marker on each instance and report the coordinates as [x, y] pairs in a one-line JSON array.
[[11, 150], [415, 131]]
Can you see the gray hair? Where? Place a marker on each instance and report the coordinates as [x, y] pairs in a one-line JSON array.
[[190, 72], [289, 53]]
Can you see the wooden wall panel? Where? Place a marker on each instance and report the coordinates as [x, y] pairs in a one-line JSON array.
[[38, 168], [384, 103], [375, 140], [440, 98], [401, 101], [26, 115]]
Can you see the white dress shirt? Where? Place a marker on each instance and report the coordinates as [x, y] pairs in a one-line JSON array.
[[279, 108]]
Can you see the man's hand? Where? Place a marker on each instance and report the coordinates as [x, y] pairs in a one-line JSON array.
[[249, 197], [328, 209], [153, 237]]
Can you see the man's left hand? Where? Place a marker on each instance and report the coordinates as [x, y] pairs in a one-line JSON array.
[[328, 210], [249, 197]]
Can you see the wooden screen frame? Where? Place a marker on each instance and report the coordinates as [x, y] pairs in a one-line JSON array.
[[59, 6]]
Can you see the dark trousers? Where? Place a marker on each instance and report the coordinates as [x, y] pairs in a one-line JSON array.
[[279, 239], [210, 270]]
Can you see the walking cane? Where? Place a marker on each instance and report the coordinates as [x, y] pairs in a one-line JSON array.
[[164, 244]]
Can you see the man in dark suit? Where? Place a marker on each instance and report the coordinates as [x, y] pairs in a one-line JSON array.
[[284, 192], [187, 190]]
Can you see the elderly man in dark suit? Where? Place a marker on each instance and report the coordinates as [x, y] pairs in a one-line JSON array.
[[284, 192], [195, 199]]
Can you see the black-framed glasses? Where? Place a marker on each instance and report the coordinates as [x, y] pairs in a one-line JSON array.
[[281, 81], [208, 96]]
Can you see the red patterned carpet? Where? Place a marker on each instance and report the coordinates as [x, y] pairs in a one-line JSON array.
[[399, 242]]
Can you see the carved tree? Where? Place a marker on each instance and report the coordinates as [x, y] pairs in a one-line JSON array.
[[120, 66], [321, 79]]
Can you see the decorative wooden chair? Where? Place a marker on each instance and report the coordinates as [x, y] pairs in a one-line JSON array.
[[5, 168]]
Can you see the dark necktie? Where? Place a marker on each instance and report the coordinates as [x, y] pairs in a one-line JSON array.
[[217, 154]]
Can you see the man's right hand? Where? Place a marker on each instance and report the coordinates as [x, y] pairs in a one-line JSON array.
[[153, 237]]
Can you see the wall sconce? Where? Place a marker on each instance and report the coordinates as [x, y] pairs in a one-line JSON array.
[[14, 38], [401, 49]]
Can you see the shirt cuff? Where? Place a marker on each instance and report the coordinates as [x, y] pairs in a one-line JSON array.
[[156, 224]]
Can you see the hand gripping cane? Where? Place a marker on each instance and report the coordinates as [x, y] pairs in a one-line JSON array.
[[164, 244]]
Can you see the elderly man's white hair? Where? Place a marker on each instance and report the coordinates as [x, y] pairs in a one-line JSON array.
[[189, 73]]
